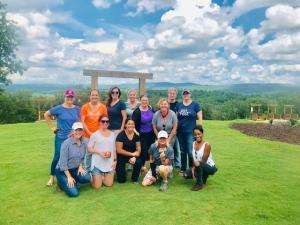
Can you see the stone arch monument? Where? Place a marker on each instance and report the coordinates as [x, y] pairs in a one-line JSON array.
[[94, 74]]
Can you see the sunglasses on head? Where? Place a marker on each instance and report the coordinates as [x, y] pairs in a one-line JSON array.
[[115, 92], [104, 121]]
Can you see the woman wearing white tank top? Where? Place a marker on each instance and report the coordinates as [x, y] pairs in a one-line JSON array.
[[202, 157]]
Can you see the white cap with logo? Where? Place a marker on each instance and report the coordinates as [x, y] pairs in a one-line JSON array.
[[162, 134], [77, 125]]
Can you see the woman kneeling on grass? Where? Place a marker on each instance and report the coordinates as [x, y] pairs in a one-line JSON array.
[[129, 149], [161, 157], [203, 161], [103, 149], [69, 170]]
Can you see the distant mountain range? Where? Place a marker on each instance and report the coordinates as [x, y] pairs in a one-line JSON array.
[[237, 88]]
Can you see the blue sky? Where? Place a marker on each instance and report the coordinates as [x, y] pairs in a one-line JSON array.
[[206, 42]]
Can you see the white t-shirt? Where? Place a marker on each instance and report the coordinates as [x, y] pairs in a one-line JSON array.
[[197, 155], [102, 144]]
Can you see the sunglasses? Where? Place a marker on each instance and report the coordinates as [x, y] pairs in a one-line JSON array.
[[104, 121], [115, 92], [79, 129]]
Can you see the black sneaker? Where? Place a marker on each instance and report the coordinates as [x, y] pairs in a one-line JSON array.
[[197, 187]]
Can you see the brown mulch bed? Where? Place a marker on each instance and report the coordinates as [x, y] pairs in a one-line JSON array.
[[271, 132]]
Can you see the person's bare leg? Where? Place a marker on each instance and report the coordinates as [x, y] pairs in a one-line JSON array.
[[108, 179], [97, 181], [163, 173]]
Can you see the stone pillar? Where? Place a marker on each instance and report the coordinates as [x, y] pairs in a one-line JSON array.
[[94, 82], [142, 84]]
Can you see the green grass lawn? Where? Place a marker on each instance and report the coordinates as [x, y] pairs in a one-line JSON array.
[[258, 182]]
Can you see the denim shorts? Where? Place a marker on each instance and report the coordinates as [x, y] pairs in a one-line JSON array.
[[96, 172]]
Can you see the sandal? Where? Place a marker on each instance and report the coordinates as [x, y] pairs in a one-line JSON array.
[[50, 181], [182, 173]]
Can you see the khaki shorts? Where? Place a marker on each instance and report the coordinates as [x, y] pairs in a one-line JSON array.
[[148, 179]]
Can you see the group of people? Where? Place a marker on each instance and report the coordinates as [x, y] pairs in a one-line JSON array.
[[94, 143]]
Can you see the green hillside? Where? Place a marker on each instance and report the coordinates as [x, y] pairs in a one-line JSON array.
[[236, 88], [257, 183]]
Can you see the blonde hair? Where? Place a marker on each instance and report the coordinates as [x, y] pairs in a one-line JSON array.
[[157, 144], [131, 90], [162, 100]]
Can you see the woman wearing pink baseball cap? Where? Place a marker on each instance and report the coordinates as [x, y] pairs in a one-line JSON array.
[[66, 114]]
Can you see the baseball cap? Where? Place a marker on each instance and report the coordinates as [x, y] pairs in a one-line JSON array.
[[77, 125], [162, 134], [186, 91], [69, 93]]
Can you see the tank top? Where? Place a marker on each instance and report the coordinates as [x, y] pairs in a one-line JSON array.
[[197, 155]]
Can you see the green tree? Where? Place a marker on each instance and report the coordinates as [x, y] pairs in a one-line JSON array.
[[9, 63]]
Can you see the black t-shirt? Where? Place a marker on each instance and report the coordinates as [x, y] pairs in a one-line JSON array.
[[174, 106], [128, 145]]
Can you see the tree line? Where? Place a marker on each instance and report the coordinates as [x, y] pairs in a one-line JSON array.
[[24, 106]]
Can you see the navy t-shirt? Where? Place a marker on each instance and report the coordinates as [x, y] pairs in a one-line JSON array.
[[65, 119], [187, 116], [174, 106], [128, 145], [115, 115]]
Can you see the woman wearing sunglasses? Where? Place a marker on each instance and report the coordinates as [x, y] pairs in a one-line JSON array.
[[103, 149], [69, 171], [116, 110]]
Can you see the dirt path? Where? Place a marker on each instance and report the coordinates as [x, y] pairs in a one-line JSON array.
[[267, 131]]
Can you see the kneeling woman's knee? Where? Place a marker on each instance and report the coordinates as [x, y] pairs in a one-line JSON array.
[[97, 186], [72, 193], [162, 169]]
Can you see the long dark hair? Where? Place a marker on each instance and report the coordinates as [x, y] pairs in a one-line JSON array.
[[109, 98]]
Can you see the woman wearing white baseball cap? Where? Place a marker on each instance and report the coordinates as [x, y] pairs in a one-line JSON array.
[[69, 170], [161, 157]]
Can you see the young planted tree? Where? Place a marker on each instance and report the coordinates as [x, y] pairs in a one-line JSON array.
[[9, 63]]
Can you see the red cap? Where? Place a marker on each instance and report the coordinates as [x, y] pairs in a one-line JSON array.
[[70, 93]]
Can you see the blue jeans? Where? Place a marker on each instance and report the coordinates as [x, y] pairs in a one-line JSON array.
[[57, 144], [62, 181], [186, 144], [176, 153]]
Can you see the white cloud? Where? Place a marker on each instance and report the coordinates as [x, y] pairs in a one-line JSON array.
[[104, 3], [243, 6], [100, 31], [139, 59], [194, 41], [148, 6], [284, 47], [34, 24], [105, 47], [280, 18]]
